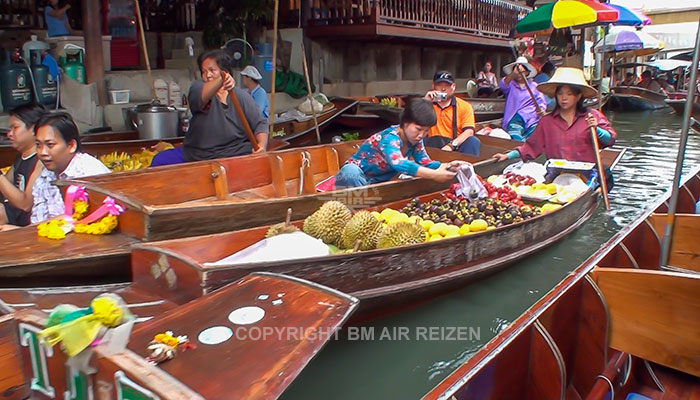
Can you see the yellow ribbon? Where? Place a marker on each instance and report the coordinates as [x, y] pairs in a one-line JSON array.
[[77, 335]]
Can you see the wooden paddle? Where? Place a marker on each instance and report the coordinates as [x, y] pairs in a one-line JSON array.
[[308, 92], [529, 91], [601, 168], [244, 121]]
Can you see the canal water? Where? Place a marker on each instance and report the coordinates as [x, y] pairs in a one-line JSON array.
[[409, 366]]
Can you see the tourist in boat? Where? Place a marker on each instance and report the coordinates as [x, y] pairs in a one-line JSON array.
[[486, 81], [565, 133], [649, 83], [58, 148], [546, 73], [250, 76], [57, 19], [450, 133], [630, 79], [16, 185], [389, 152], [216, 130], [520, 116]]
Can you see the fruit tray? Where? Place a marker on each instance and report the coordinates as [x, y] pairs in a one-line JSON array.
[[570, 165]]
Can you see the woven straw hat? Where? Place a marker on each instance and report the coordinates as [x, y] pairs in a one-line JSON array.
[[507, 69], [567, 76]]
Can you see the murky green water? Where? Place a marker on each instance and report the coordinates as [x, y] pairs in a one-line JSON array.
[[407, 369]]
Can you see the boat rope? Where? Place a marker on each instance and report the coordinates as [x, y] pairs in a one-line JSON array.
[[305, 163]]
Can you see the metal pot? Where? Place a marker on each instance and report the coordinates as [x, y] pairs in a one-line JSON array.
[[154, 120]]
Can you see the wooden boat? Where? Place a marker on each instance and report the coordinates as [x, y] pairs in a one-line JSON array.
[[485, 109], [358, 117], [616, 325], [303, 133], [677, 100], [216, 198], [633, 98], [240, 365]]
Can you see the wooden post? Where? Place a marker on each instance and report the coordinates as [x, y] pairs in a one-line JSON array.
[[274, 68], [309, 94], [92, 32], [142, 35]]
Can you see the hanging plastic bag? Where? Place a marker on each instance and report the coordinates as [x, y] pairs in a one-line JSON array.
[[470, 186]]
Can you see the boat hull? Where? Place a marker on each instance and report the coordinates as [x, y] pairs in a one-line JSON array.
[[633, 98], [382, 279]]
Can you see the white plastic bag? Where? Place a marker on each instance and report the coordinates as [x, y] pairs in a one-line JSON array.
[[469, 181]]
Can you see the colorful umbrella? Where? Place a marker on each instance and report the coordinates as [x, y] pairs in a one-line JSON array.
[[630, 17], [567, 13], [638, 43]]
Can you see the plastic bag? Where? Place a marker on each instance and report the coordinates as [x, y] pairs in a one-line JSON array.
[[468, 182]]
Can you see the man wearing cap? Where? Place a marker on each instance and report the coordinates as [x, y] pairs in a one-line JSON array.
[[251, 78], [455, 118], [521, 114]]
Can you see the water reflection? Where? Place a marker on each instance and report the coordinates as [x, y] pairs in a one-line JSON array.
[[409, 368]]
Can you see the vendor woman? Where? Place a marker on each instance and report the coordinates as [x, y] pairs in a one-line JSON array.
[[397, 149], [565, 133]]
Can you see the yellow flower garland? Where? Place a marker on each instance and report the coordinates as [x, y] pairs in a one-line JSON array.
[[53, 229]]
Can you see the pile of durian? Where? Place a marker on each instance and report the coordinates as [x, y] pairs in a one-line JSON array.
[[344, 232]]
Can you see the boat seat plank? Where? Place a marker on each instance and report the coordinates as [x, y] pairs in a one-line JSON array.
[[332, 160], [25, 255], [654, 315], [141, 303], [249, 368], [685, 252]]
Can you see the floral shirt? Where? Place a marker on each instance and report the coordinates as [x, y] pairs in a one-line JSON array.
[[380, 156], [48, 201]]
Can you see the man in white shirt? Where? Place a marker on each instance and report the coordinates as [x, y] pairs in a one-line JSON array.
[[58, 147]]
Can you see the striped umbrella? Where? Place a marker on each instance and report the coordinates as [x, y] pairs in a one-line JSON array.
[[567, 13], [630, 17], [637, 43]]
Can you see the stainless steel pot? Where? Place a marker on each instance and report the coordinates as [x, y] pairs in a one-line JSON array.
[[154, 120]]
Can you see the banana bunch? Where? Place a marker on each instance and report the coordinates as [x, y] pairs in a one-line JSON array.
[[122, 161], [115, 161], [389, 102]]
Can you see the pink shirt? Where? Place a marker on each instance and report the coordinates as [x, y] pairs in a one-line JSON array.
[[556, 139]]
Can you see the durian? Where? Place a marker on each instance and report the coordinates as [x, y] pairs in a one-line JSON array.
[[364, 227], [401, 234], [279, 229], [327, 222]]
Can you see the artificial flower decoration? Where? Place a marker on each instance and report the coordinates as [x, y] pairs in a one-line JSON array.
[[164, 346], [100, 222]]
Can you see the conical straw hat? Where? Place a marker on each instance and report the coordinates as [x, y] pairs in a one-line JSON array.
[[567, 76]]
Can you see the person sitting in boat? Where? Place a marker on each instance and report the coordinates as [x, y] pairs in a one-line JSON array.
[[388, 153], [216, 130], [251, 78], [649, 83], [486, 81], [58, 147], [16, 185], [521, 116], [565, 133], [454, 129], [630, 80]]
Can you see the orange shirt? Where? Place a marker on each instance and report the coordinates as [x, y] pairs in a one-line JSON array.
[[465, 119]]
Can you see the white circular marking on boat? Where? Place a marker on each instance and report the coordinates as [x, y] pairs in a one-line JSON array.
[[263, 297], [215, 335], [246, 315], [276, 302]]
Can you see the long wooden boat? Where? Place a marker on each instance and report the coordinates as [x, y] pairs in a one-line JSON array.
[[212, 197], [382, 279], [616, 325], [303, 133], [358, 117], [242, 359], [677, 100], [485, 109], [632, 98]]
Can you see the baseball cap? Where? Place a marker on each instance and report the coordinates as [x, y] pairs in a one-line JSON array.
[[443, 76]]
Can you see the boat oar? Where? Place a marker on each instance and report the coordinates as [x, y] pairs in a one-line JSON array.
[[529, 91], [142, 37], [308, 92], [601, 168], [274, 68], [244, 121]]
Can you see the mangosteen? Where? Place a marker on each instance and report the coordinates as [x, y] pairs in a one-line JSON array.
[[507, 219], [481, 206], [478, 215], [435, 202], [468, 220], [490, 210]]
